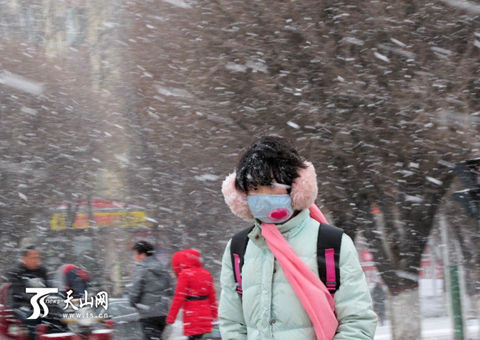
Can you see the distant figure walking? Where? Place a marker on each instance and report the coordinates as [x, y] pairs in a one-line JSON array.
[[378, 297], [151, 290]]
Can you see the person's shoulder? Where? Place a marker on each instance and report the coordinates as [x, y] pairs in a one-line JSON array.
[[185, 275], [347, 242], [152, 264], [16, 269], [203, 270], [139, 268], [43, 272], [348, 254]]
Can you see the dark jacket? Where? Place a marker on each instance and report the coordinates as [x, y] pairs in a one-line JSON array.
[[20, 278], [378, 296], [75, 279], [151, 288]]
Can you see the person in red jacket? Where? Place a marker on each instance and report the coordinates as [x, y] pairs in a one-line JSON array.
[[195, 293]]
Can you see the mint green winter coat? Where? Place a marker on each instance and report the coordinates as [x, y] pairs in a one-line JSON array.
[[271, 310]]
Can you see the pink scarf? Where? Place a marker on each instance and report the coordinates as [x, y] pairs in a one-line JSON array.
[[310, 290]]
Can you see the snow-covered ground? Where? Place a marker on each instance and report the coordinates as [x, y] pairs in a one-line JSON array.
[[174, 332], [434, 328]]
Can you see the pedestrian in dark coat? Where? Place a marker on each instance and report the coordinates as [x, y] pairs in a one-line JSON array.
[[151, 290], [379, 296], [195, 293]]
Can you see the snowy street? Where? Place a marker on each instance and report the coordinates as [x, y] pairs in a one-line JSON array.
[[434, 329]]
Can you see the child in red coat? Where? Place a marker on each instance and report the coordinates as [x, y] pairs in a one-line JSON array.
[[195, 293]]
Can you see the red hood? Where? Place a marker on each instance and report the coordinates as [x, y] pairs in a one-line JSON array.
[[66, 268], [184, 259], [80, 272]]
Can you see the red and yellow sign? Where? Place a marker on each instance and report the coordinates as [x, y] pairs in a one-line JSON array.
[[102, 219]]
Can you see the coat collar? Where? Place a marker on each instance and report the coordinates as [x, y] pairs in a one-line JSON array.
[[288, 229]]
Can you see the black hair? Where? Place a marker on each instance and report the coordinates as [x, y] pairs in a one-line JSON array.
[[28, 249], [144, 247], [270, 158]]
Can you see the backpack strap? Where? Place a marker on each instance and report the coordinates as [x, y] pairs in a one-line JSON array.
[[237, 253], [329, 240]]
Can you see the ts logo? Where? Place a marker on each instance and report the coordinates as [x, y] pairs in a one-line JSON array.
[[42, 294]]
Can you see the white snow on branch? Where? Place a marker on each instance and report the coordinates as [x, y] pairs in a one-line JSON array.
[[434, 180], [172, 92], [178, 3], [21, 83], [236, 67], [398, 42], [414, 199], [206, 177], [257, 66], [122, 158], [341, 16], [442, 51], [398, 51], [381, 57], [468, 6], [354, 41], [293, 125], [406, 275], [446, 163], [414, 165], [29, 111], [406, 173]]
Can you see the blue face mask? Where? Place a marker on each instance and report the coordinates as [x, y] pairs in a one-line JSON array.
[[270, 208]]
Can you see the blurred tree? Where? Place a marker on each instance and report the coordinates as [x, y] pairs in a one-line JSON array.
[[47, 144]]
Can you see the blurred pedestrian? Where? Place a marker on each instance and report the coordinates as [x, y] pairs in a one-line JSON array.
[[28, 273], [75, 279], [195, 294], [280, 293], [151, 290], [379, 296]]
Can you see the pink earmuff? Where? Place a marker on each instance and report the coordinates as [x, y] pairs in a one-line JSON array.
[[304, 192]]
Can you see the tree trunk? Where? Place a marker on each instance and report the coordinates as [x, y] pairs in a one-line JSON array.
[[476, 301], [405, 315]]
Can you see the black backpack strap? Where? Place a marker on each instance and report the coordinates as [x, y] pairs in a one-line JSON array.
[[237, 253], [329, 240]]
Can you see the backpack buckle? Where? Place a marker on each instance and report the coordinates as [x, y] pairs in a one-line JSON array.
[[331, 285]]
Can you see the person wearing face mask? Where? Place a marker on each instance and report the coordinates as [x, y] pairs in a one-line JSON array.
[[275, 291]]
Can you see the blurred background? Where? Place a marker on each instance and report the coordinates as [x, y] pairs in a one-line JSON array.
[[120, 119]]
